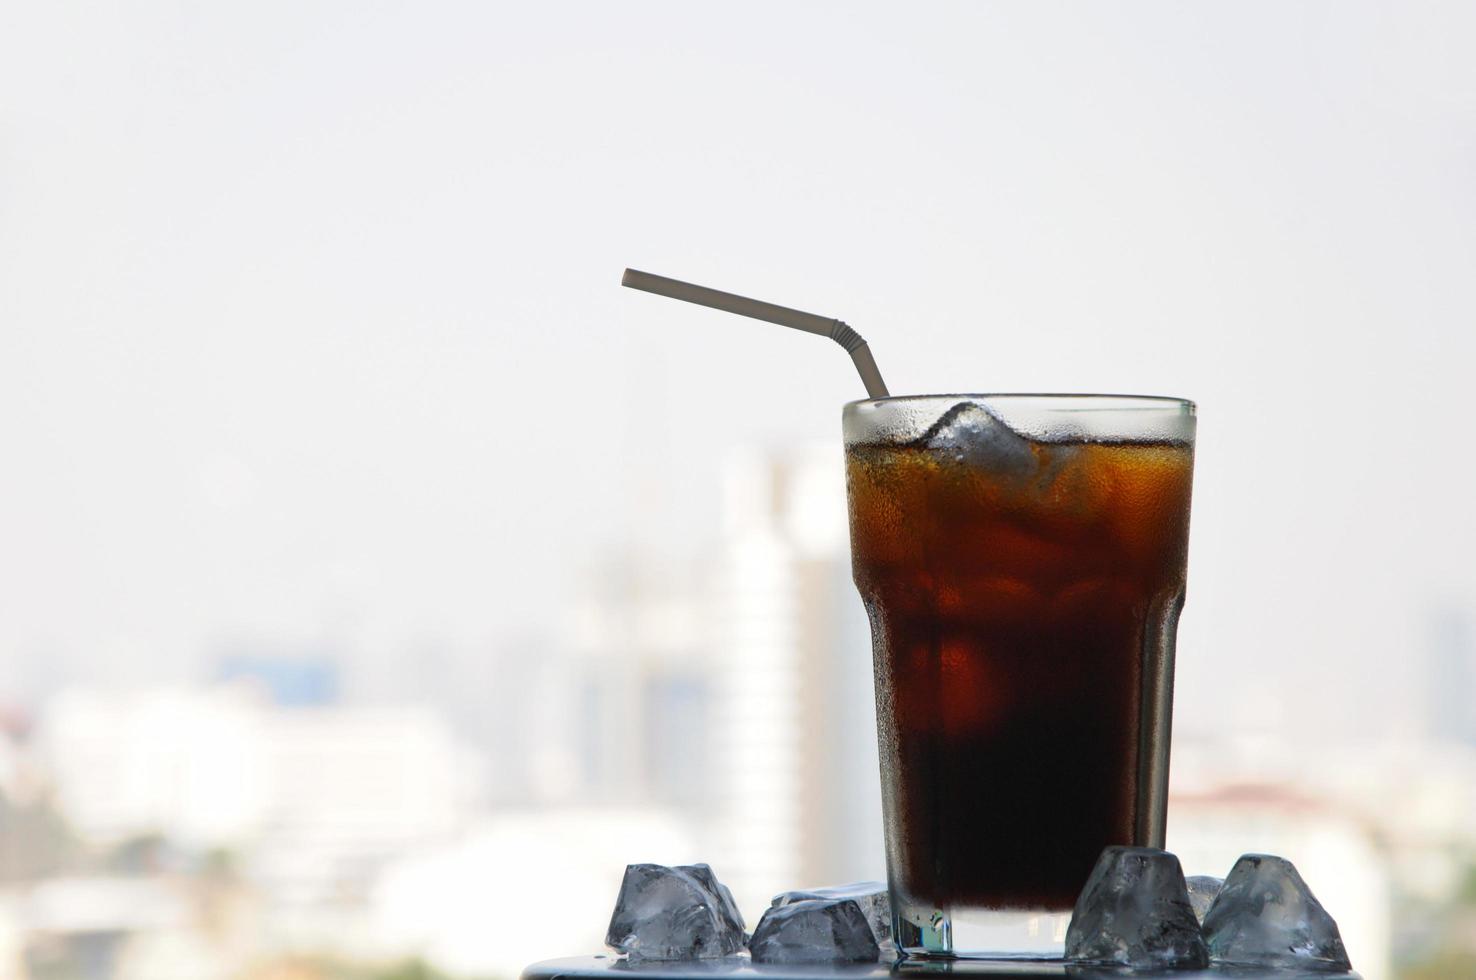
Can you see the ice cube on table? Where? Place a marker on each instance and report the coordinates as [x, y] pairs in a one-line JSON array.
[[680, 913], [1134, 911], [1265, 915], [871, 896], [1202, 892], [727, 908], [814, 930]]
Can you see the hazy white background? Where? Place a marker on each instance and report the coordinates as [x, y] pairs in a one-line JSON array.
[[310, 321]]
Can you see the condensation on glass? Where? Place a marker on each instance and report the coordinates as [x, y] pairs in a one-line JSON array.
[[1022, 562]]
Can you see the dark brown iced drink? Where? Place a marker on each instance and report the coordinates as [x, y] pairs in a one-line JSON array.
[[1023, 585]]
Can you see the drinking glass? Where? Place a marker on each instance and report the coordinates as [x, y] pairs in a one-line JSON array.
[[1022, 561]]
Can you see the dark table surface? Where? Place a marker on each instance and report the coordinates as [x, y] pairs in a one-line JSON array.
[[612, 967]]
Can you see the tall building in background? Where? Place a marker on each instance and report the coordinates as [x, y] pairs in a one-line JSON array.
[[640, 639], [1451, 677], [798, 802], [735, 687]]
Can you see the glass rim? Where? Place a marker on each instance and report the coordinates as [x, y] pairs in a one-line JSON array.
[[1083, 401]]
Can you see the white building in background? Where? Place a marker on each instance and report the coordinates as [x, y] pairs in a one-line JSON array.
[[191, 765], [350, 788], [312, 800], [798, 798]]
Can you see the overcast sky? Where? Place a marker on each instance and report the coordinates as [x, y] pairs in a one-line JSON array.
[[309, 311]]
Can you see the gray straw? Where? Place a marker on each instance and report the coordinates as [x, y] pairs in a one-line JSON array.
[[759, 310]]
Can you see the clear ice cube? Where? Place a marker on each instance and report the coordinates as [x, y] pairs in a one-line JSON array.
[[1134, 911], [973, 434], [680, 913], [870, 895], [814, 930], [1267, 916], [727, 908], [1202, 892]]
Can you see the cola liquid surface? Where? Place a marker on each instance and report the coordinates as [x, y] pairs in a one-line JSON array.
[[1013, 605]]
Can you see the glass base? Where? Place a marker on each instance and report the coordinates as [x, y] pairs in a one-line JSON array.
[[981, 934]]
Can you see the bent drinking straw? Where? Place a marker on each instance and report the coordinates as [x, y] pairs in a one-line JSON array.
[[759, 310]]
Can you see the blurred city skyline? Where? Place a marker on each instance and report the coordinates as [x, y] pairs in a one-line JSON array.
[[316, 374], [712, 710]]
